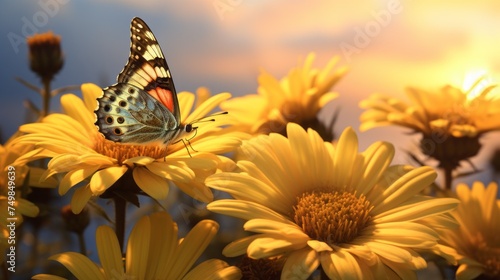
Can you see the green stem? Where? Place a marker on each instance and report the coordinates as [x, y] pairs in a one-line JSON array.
[[120, 209]]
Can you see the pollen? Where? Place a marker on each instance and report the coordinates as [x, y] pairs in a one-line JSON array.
[[334, 217], [121, 152]]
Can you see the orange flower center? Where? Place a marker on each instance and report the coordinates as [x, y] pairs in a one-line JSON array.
[[121, 152], [334, 217]]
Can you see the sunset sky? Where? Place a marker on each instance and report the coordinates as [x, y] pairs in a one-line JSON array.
[[223, 45]]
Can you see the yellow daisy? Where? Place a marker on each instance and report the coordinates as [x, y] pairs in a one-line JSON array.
[[450, 120], [316, 205], [153, 252], [297, 98], [12, 184], [81, 153], [476, 240]]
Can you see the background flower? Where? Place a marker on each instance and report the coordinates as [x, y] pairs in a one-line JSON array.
[[349, 212], [476, 240], [450, 110], [298, 98], [450, 120]]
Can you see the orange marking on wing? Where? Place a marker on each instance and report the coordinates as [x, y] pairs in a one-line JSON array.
[[164, 96]]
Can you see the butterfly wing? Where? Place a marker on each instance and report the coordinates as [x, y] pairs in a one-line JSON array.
[[128, 114], [147, 68], [142, 107]]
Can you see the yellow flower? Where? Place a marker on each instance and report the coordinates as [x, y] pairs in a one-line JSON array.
[[46, 57], [297, 98], [12, 180], [314, 204], [81, 152], [153, 252], [451, 120], [476, 240]]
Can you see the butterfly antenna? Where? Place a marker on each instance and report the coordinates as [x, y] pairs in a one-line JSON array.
[[207, 118]]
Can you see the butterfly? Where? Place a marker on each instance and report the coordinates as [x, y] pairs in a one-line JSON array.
[[142, 107]]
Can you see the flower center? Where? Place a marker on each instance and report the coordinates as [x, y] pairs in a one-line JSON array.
[[449, 150], [260, 268], [121, 152], [332, 217]]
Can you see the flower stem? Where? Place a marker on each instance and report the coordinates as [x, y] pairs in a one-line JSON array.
[[448, 178], [81, 241], [46, 98], [120, 209], [323, 275]]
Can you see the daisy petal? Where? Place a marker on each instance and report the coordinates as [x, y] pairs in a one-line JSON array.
[[103, 179], [136, 258], [300, 264], [109, 252], [79, 265], [153, 185], [80, 198]]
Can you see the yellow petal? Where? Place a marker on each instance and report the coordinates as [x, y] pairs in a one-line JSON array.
[[153, 185], [80, 198], [345, 157], [27, 208], [213, 269], [239, 247], [319, 246], [103, 179], [193, 245], [109, 252], [74, 177], [173, 170], [90, 94], [79, 265], [136, 259], [74, 107], [47, 277], [162, 246], [300, 264], [347, 266]]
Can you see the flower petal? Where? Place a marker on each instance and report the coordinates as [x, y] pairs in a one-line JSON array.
[[300, 264], [165, 230], [103, 179], [136, 259], [80, 198], [79, 265], [153, 185], [74, 177], [109, 252], [213, 269], [193, 246]]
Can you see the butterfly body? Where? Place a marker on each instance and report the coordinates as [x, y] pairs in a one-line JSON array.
[[142, 107]]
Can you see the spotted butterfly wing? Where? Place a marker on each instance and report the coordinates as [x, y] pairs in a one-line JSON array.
[[142, 107]]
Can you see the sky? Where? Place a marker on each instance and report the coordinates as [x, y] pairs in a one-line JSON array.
[[224, 45]]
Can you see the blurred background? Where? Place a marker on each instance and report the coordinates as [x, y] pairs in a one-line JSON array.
[[224, 44]]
